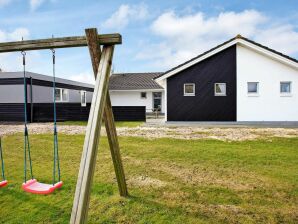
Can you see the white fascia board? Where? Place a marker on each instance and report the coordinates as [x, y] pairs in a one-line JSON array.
[[221, 48], [136, 90]]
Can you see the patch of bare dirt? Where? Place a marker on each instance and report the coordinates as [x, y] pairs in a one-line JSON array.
[[197, 175], [146, 181]]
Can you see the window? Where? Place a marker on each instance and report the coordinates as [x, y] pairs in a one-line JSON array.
[[143, 95], [189, 89], [285, 88], [61, 95], [83, 98], [220, 89], [253, 88]]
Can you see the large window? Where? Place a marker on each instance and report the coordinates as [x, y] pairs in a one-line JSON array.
[[285, 88], [83, 98], [253, 88], [189, 89], [220, 89], [61, 95]]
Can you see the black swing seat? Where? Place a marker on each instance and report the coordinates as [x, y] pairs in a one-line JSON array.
[[34, 187]]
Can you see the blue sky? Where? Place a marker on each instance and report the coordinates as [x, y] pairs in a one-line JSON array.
[[157, 35]]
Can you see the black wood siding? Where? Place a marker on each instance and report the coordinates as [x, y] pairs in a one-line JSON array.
[[12, 112], [43, 112], [204, 106], [129, 113]]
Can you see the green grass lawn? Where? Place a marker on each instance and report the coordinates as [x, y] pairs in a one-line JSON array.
[[170, 181], [130, 124]]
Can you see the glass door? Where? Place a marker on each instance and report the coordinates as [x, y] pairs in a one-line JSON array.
[[157, 101]]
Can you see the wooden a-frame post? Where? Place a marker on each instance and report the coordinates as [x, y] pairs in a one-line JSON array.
[[101, 105], [95, 54]]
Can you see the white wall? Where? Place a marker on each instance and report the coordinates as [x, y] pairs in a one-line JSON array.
[[41, 94], [133, 98], [269, 105]]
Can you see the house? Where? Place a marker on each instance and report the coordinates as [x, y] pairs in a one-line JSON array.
[[131, 96], [137, 89], [73, 99], [239, 80]]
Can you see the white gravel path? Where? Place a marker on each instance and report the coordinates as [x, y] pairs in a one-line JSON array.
[[152, 132]]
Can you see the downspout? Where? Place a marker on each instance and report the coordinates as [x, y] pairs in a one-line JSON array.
[[31, 101]]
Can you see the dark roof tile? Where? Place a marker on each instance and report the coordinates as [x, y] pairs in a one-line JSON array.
[[131, 81]]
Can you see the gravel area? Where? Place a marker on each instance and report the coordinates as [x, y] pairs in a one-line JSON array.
[[225, 134]]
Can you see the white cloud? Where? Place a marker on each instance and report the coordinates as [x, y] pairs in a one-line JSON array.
[[34, 4], [86, 77], [15, 35], [9, 62], [185, 36], [126, 14], [4, 2], [282, 38]]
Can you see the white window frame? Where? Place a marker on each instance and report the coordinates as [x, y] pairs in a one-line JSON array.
[[220, 94], [194, 89], [253, 93], [61, 97], [83, 93], [285, 93], [143, 97]]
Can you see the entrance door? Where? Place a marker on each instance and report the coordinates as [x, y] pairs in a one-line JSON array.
[[157, 101]]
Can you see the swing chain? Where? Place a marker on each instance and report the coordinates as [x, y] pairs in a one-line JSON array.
[[54, 56], [24, 57], [2, 161], [56, 147]]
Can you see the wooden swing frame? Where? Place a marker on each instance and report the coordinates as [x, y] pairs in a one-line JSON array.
[[101, 109]]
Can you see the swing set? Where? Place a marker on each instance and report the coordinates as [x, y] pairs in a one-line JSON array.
[[101, 48]]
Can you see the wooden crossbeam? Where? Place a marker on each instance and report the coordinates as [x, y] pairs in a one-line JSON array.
[[64, 42]]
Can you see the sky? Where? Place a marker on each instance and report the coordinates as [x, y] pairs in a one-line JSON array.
[[157, 35]]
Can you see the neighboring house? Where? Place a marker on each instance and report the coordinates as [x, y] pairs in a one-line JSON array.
[[239, 80], [131, 95], [73, 98], [137, 89]]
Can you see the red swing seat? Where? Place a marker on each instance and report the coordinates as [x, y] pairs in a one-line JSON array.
[[3, 183], [34, 187]]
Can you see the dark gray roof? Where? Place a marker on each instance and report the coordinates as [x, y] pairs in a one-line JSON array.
[[11, 75], [237, 37], [132, 81]]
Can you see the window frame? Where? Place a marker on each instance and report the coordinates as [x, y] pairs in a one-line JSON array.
[[83, 93], [142, 96], [61, 96], [253, 93], [189, 94], [220, 94], [285, 93]]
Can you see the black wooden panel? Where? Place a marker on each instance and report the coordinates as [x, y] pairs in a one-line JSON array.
[[204, 106], [43, 112], [129, 113], [12, 112]]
